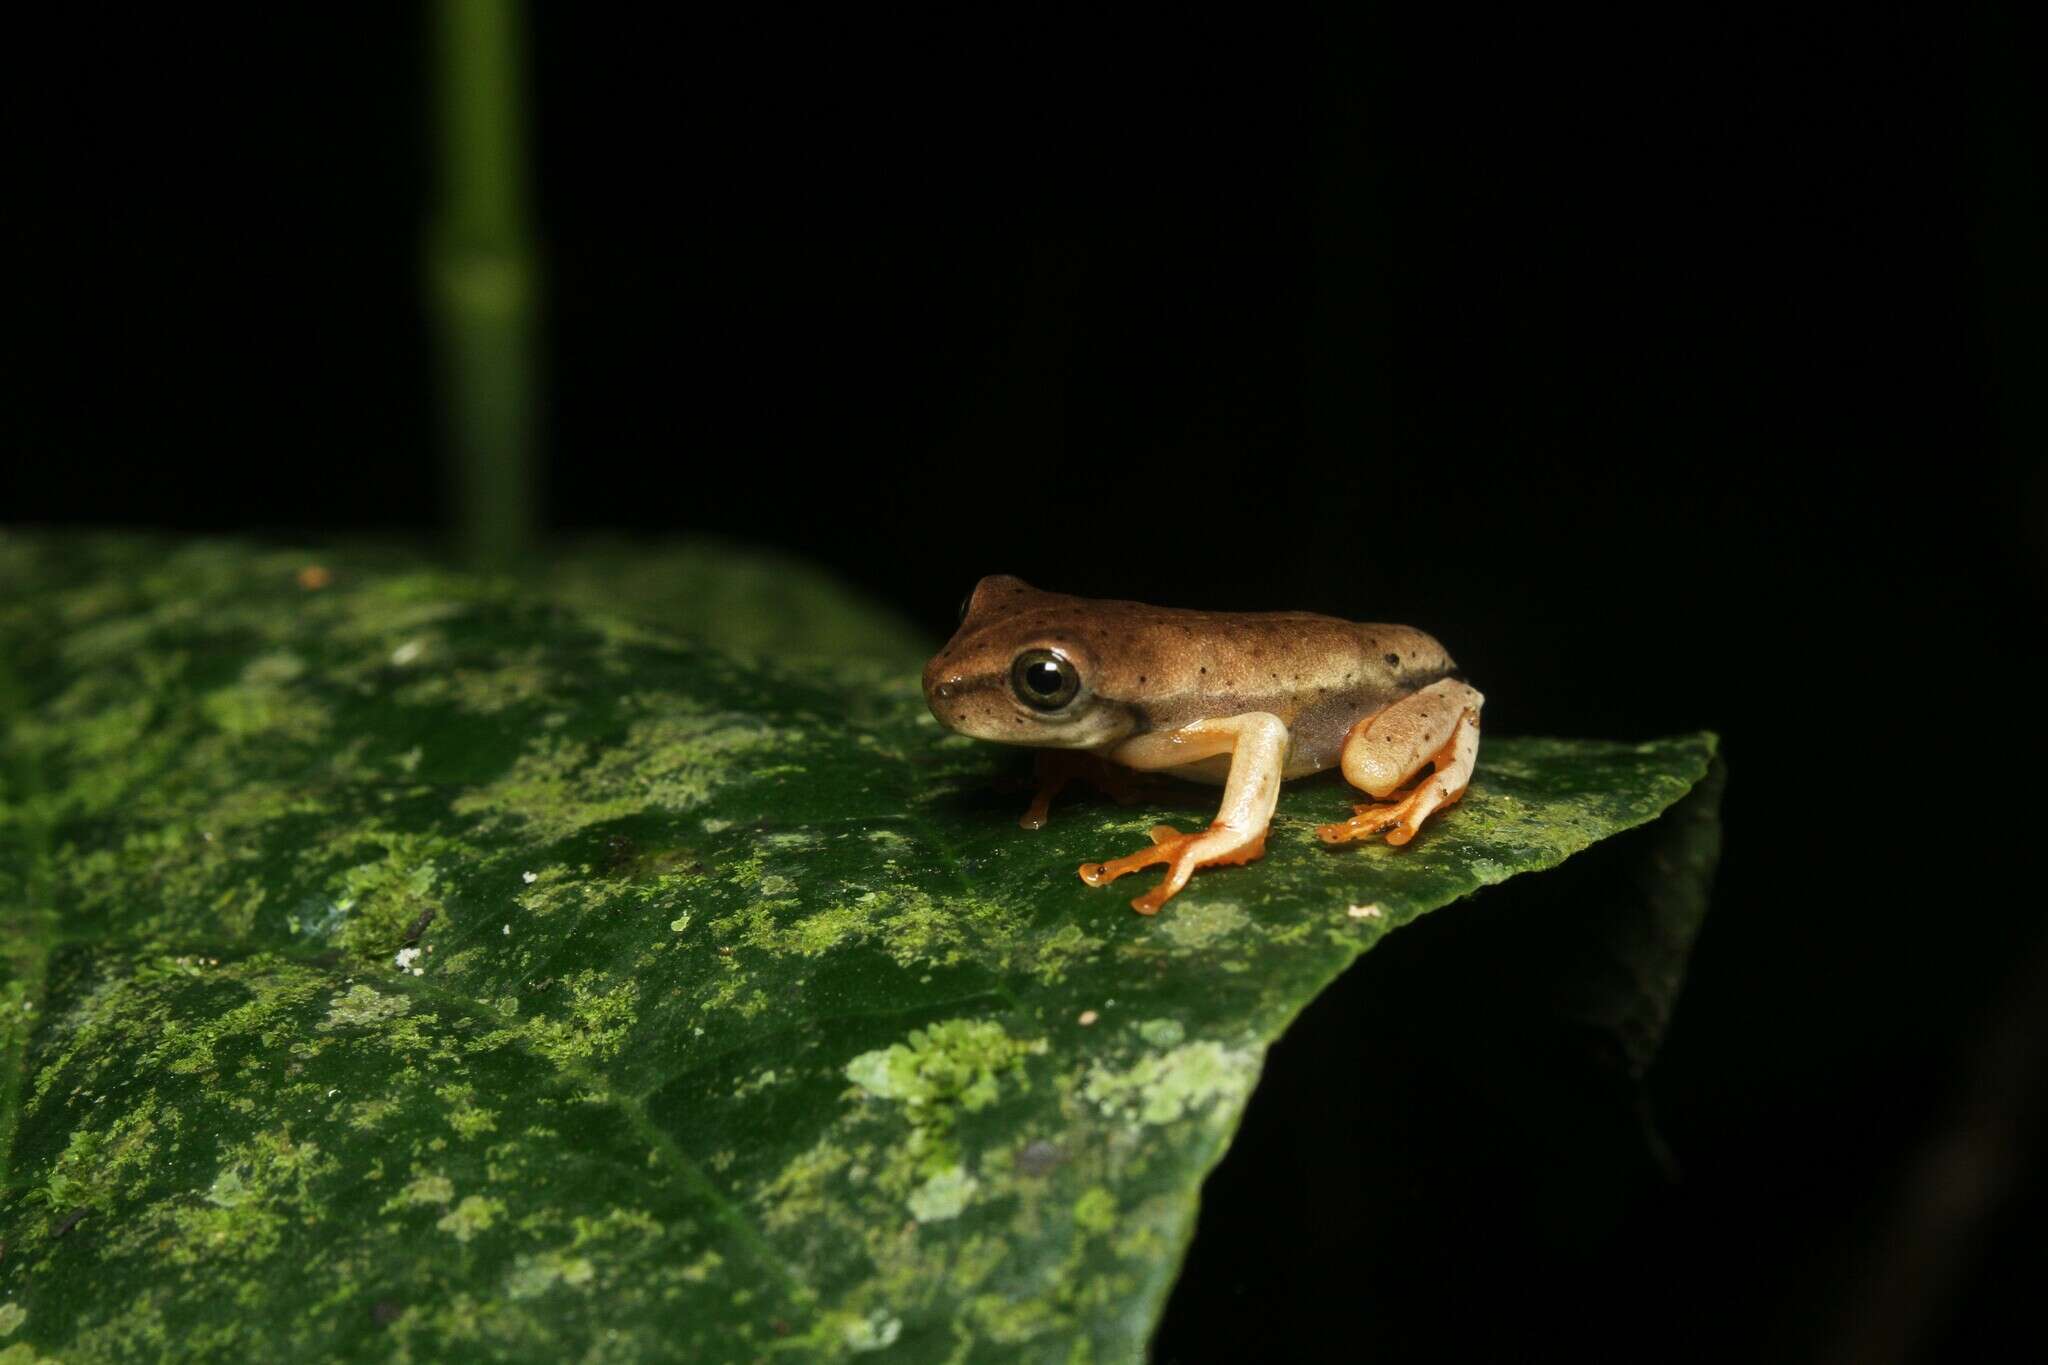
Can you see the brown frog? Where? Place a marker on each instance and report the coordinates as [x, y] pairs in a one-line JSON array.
[[1244, 699]]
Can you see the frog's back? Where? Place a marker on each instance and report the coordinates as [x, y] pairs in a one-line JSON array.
[[1181, 666], [1165, 667]]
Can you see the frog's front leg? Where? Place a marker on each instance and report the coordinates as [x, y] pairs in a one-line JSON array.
[[1257, 744], [1437, 727]]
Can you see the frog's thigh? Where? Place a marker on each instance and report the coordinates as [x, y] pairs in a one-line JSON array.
[[1392, 745], [1257, 744], [1438, 725]]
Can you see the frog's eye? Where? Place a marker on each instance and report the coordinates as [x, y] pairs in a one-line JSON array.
[[1044, 680], [965, 603]]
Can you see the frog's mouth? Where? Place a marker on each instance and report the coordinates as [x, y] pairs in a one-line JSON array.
[[985, 709]]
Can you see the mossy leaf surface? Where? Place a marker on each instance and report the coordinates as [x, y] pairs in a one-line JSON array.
[[404, 966]]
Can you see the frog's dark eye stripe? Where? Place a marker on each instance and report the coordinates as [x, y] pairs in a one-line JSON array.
[[1044, 680]]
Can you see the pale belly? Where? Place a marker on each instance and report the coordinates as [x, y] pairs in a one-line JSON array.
[[1214, 771], [1315, 740]]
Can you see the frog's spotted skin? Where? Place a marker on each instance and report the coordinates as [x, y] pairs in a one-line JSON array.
[[1147, 669], [1247, 699]]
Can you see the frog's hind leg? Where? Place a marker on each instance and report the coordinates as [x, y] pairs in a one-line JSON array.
[[1437, 728], [1257, 744]]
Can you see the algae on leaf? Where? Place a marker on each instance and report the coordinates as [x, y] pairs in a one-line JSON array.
[[405, 964]]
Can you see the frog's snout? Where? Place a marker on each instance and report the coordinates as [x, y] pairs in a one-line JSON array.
[[942, 687], [967, 701], [939, 680]]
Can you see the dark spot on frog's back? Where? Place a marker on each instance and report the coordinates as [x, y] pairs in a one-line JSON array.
[[1393, 661]]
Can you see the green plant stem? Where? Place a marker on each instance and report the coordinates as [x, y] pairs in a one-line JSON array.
[[481, 281]]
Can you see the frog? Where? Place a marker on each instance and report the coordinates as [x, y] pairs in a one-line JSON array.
[[1109, 690]]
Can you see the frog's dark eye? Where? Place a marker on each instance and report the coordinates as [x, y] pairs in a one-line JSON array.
[[1044, 680], [965, 603]]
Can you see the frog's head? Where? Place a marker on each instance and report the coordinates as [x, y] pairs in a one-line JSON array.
[[1018, 671]]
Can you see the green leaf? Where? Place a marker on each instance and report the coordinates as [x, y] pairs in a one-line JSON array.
[[748, 602], [404, 964]]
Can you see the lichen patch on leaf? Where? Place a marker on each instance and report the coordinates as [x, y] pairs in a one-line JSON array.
[[1161, 1088], [362, 1005], [433, 1189], [668, 762], [1202, 924], [534, 1275], [472, 1217], [943, 1195], [956, 1064]]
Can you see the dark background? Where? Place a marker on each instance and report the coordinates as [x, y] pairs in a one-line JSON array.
[[1679, 372]]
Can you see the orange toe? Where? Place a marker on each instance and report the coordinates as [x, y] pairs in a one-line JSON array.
[[1173, 847], [1399, 820], [1367, 820], [1165, 841]]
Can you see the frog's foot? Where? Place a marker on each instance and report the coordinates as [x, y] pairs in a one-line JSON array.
[[1398, 820], [1217, 846], [1056, 768], [1257, 744], [1437, 728]]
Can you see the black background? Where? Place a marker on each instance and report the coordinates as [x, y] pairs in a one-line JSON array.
[[1679, 372]]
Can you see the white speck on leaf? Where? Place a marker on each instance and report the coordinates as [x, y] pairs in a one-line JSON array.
[[529, 877], [406, 957], [1088, 1017], [1372, 911], [407, 652]]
